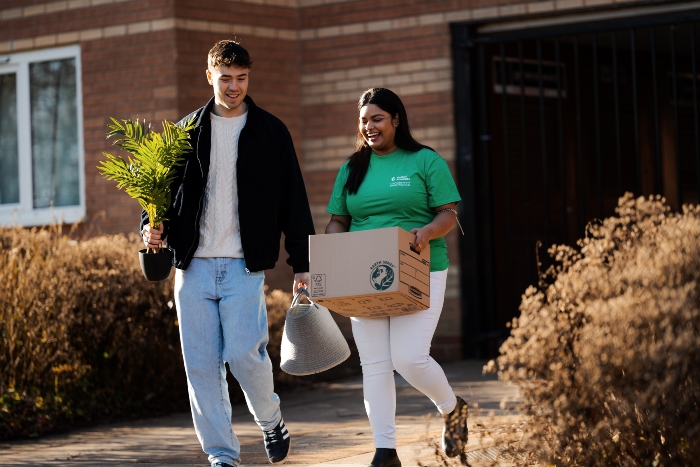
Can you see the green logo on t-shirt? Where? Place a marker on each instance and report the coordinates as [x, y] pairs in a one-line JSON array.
[[382, 277]]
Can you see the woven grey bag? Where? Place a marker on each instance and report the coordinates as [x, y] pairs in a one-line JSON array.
[[311, 340]]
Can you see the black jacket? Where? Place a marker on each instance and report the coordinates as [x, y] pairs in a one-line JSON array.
[[271, 194]]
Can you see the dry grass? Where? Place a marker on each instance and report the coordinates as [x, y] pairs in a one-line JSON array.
[[606, 350]]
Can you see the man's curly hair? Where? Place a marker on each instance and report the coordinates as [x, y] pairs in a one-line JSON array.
[[229, 53]]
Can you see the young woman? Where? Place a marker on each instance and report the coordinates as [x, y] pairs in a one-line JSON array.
[[394, 181]]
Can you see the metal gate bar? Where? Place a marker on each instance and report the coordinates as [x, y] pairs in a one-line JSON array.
[[596, 118], [560, 123], [695, 102], [579, 136], [618, 152], [674, 87], [488, 321], [657, 137], [637, 157], [543, 142], [523, 137], [506, 168]]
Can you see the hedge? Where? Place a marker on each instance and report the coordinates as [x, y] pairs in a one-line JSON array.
[[606, 350], [84, 338]]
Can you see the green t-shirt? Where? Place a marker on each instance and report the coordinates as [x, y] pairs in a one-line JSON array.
[[399, 190]]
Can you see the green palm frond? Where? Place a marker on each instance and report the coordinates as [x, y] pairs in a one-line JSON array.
[[149, 169]]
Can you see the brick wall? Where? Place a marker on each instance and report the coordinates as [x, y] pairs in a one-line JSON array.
[[142, 85], [312, 60]]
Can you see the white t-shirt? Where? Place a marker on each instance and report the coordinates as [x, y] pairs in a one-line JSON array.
[[219, 232]]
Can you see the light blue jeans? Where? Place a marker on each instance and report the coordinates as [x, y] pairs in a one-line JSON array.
[[222, 316]]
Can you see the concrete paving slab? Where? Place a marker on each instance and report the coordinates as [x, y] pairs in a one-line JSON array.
[[328, 426]]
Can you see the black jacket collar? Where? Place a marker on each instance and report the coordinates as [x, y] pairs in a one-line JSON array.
[[204, 120]]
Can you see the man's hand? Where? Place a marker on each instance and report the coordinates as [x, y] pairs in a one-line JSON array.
[[152, 238], [301, 279]]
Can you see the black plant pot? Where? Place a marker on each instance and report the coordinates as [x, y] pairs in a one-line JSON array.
[[156, 266]]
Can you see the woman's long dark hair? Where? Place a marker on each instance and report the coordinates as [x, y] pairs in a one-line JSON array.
[[390, 103]]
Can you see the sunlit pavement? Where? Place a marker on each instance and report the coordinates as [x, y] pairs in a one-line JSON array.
[[328, 427]]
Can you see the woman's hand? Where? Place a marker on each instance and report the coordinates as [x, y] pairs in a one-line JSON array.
[[439, 227], [422, 240]]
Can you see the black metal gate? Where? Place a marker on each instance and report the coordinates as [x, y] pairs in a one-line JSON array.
[[553, 126]]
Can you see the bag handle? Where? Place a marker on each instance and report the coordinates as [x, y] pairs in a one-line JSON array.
[[297, 296]]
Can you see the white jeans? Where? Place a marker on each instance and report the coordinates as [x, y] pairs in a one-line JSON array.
[[401, 343]]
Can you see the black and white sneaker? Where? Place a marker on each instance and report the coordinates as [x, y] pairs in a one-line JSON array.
[[455, 432], [277, 443]]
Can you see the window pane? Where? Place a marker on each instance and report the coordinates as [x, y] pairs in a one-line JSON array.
[[54, 133], [9, 169]]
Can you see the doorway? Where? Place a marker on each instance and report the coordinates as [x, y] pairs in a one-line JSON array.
[[554, 124]]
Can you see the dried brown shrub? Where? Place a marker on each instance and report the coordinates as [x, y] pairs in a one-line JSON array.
[[606, 350], [84, 338]]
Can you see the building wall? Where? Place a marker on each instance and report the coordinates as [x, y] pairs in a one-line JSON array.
[[128, 63], [312, 60]]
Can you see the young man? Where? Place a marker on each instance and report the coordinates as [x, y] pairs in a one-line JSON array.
[[239, 188]]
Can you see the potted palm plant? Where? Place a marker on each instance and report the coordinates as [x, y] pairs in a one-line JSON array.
[[146, 175]]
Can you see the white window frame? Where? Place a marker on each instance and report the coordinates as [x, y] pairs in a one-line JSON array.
[[24, 213]]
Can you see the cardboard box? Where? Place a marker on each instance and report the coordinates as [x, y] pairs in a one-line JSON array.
[[370, 273]]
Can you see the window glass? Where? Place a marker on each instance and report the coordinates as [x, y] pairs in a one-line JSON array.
[[42, 176], [9, 153], [54, 129]]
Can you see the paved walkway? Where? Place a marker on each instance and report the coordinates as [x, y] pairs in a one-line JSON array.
[[328, 427]]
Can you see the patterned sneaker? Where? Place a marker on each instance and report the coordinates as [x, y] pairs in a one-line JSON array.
[[455, 432], [277, 443]]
